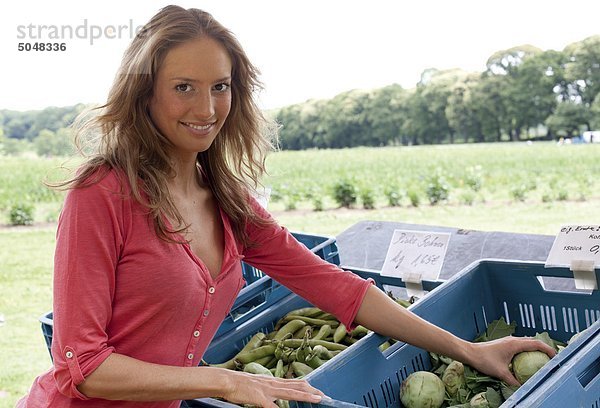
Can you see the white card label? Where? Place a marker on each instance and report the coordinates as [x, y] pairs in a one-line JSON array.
[[575, 243], [577, 247], [416, 255]]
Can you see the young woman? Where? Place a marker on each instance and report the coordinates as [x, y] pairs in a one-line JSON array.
[[155, 224]]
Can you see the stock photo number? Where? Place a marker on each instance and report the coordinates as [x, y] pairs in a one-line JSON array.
[[42, 46]]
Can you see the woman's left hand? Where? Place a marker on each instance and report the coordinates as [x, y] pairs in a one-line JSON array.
[[494, 357]]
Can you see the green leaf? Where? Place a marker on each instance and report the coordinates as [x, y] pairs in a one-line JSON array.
[[493, 397], [463, 395], [508, 390], [497, 330], [545, 337], [435, 360], [440, 370], [477, 382], [446, 360]]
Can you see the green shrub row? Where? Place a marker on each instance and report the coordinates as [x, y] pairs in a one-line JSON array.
[[436, 189]]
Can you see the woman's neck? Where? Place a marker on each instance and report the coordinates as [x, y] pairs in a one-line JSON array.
[[186, 179]]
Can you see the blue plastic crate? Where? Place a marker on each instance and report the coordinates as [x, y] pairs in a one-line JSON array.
[[226, 346], [259, 293], [575, 384], [465, 305]]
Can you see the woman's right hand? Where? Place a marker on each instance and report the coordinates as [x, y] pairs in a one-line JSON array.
[[263, 391]]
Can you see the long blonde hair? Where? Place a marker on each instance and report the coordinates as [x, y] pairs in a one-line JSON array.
[[129, 141]]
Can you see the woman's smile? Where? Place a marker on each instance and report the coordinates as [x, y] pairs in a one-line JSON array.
[[198, 129]]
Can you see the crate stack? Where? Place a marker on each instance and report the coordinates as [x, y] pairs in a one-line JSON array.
[[485, 291]]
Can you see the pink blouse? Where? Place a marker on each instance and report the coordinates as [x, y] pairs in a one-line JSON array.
[[119, 288]]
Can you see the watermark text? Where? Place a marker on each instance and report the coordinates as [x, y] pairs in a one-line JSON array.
[[50, 33]]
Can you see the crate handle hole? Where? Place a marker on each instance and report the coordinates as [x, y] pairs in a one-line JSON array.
[[589, 373], [560, 285]]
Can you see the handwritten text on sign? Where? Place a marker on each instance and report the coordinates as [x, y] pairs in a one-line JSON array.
[[416, 255], [575, 242]]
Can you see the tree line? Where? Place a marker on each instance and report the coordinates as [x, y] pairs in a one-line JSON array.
[[525, 93], [45, 131]]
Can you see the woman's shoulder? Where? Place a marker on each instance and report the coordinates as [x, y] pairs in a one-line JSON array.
[[102, 180]]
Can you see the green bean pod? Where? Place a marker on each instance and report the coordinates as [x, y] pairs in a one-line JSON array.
[[279, 369], [289, 329], [301, 332], [300, 369], [339, 333], [359, 331], [322, 352], [313, 361], [255, 368], [279, 349], [325, 316], [282, 403], [312, 321], [305, 311], [295, 343], [384, 346], [264, 361], [272, 362], [323, 332], [403, 302], [303, 351], [253, 355], [289, 355], [350, 340], [253, 343]]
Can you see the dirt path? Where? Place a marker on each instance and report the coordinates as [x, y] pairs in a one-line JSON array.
[[33, 227]]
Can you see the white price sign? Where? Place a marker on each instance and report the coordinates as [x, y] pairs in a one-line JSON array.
[[416, 255], [577, 247]]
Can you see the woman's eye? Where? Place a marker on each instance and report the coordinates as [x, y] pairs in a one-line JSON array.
[[183, 88], [222, 87]]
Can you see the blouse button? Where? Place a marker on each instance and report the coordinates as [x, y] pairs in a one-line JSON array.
[[205, 313], [197, 333], [211, 289], [69, 354], [190, 356]]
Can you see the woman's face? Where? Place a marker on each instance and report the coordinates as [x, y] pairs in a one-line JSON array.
[[192, 95]]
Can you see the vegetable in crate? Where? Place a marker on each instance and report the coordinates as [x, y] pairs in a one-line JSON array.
[[527, 363], [467, 388], [303, 340], [486, 399], [524, 364], [422, 389], [454, 377]]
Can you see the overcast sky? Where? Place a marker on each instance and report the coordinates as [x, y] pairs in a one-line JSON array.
[[305, 49]]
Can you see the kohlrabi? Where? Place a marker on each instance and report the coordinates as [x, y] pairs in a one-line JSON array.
[[422, 389], [527, 363], [454, 377]]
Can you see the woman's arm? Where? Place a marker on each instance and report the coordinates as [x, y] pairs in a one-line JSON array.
[[124, 378], [380, 313]]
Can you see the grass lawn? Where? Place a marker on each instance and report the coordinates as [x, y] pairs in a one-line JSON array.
[[26, 293]]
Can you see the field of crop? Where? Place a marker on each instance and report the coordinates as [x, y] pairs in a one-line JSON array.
[[465, 175], [498, 169], [505, 187]]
